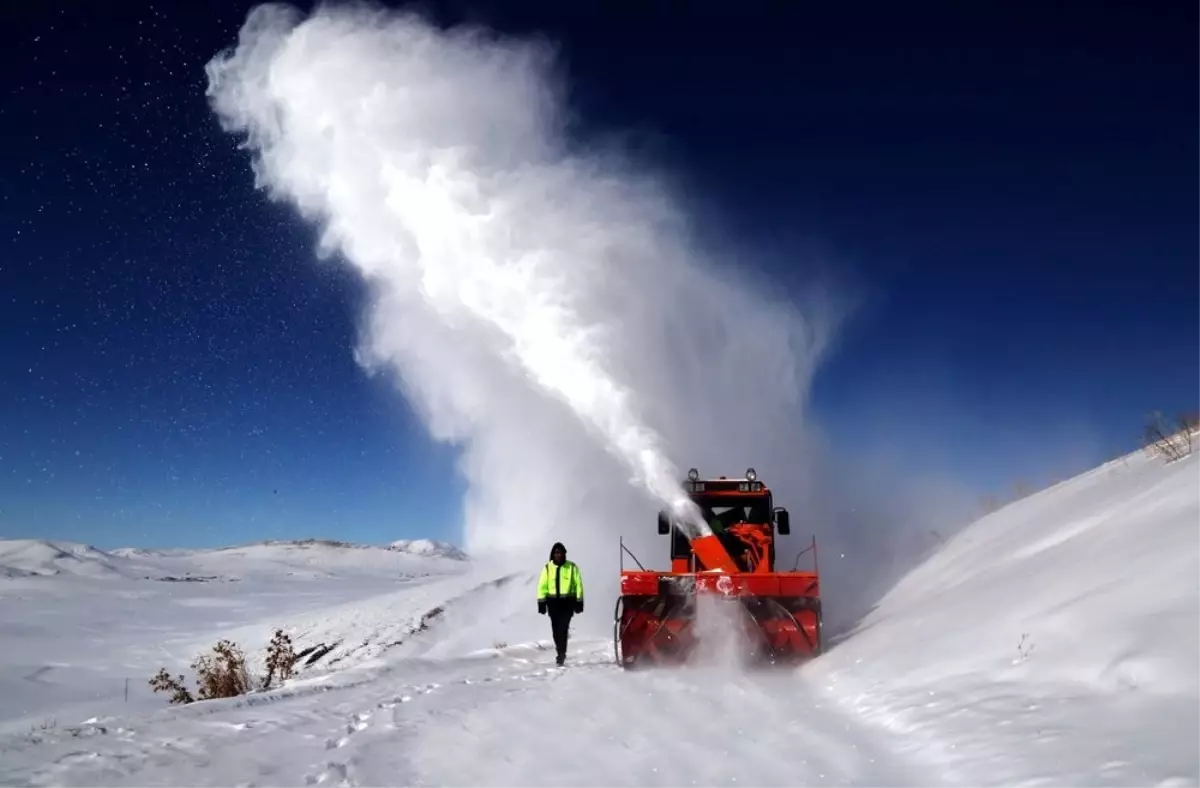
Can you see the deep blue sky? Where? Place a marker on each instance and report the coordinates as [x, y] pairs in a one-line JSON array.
[[1014, 184]]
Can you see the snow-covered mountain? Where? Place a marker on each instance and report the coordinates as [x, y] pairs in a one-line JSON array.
[[1054, 641]]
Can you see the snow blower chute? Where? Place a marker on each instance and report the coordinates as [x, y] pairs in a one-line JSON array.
[[780, 611]]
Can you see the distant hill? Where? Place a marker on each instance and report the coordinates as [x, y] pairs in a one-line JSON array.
[[428, 547], [307, 557], [45, 557]]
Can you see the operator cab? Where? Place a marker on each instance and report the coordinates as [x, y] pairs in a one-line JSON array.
[[725, 503]]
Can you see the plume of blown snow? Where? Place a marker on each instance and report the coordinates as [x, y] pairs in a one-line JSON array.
[[544, 307]]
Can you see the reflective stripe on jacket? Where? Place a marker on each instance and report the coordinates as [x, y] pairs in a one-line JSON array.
[[560, 581]]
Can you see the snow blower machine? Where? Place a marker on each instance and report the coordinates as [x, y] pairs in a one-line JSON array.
[[776, 614]]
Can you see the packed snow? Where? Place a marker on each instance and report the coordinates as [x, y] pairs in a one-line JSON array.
[[1054, 641]]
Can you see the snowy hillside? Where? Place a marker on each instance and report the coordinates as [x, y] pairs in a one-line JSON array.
[[428, 547], [1052, 642], [76, 622], [1057, 639], [314, 557], [41, 557]]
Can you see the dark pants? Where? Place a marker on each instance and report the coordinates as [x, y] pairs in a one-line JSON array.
[[560, 611]]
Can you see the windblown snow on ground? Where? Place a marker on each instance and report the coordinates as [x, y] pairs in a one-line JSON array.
[[1055, 641], [83, 629]]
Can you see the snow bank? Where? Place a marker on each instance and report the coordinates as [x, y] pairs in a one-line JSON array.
[[1055, 639]]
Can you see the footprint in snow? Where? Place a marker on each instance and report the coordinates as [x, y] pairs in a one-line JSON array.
[[334, 770], [392, 703], [355, 724]]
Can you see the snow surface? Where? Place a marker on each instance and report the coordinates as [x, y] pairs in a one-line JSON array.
[[1055, 641]]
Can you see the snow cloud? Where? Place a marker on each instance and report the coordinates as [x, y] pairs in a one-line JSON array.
[[543, 304]]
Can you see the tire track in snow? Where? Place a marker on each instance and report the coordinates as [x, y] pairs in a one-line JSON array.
[[591, 723]]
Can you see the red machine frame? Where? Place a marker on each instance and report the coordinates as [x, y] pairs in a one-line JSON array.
[[655, 613]]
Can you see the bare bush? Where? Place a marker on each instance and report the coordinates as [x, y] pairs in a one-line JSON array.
[[164, 682], [281, 658], [1189, 424], [1164, 441], [220, 675], [223, 675], [1024, 647]]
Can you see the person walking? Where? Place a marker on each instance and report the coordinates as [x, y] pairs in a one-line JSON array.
[[560, 593]]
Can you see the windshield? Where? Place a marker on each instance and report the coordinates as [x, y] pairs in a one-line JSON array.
[[722, 511]]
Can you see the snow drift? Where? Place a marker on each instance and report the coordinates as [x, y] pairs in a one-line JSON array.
[[1055, 640]]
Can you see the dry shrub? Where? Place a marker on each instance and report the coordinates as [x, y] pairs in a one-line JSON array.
[[163, 682], [1189, 425], [1171, 442], [222, 676], [281, 658]]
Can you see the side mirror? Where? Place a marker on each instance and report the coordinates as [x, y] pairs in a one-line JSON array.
[[782, 522], [664, 524]]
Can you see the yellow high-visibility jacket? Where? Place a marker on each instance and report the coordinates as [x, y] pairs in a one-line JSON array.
[[560, 582]]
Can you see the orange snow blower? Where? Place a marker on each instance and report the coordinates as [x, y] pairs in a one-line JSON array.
[[655, 621]]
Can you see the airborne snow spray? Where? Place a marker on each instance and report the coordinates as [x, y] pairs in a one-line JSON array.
[[542, 308], [397, 140]]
